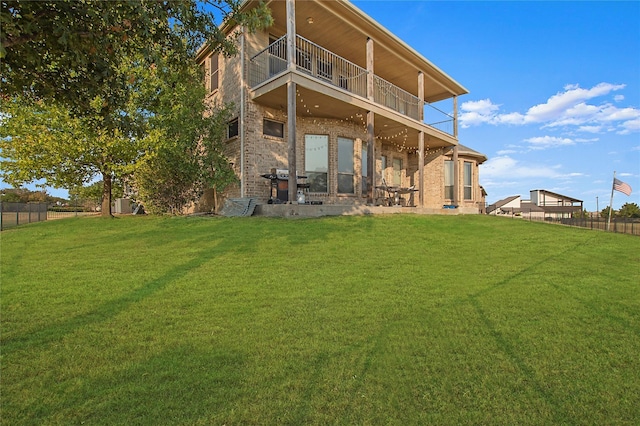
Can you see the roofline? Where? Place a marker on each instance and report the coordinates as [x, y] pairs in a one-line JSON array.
[[468, 152], [555, 193], [498, 204], [452, 86], [461, 89]]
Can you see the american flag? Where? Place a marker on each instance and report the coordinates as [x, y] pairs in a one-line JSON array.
[[619, 185]]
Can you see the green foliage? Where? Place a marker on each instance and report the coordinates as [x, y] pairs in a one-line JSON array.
[[629, 210], [184, 139], [90, 196], [385, 320], [41, 141], [84, 81], [581, 214], [21, 195], [605, 212], [71, 51]]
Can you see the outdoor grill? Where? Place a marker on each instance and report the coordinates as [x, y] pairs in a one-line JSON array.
[[280, 186]]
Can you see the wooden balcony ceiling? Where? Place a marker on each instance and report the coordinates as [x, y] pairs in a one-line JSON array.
[[343, 29], [314, 105]]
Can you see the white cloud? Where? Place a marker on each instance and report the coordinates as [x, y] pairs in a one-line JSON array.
[[543, 142], [572, 107], [630, 126], [482, 107], [477, 112], [559, 104], [511, 118], [507, 167], [590, 129], [468, 119]]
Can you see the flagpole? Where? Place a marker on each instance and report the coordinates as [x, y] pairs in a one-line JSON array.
[[611, 200]]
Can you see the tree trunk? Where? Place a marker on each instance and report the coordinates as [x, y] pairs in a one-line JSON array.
[[106, 195]]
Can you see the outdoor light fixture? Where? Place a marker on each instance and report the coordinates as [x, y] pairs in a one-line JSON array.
[[309, 20]]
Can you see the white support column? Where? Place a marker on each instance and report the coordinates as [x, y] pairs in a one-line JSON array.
[[371, 159], [370, 87], [421, 140], [455, 117], [421, 169], [456, 169], [291, 101], [456, 178], [291, 138], [421, 96], [291, 34], [371, 137]]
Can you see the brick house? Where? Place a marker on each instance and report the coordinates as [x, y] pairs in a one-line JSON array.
[[330, 94]]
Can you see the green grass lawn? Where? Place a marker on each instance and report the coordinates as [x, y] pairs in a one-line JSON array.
[[388, 320]]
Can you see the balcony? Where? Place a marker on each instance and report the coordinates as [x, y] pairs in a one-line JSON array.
[[325, 66]]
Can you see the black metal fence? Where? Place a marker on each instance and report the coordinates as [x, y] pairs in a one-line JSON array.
[[622, 225], [14, 214]]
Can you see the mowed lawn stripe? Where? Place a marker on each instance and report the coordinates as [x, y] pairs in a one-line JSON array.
[[397, 319]]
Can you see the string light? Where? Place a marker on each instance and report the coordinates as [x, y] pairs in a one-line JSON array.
[[358, 121]]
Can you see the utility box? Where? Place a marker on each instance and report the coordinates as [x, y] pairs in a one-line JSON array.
[[122, 206]]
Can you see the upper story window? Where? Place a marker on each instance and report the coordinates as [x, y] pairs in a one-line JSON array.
[[272, 128], [213, 73], [468, 167]]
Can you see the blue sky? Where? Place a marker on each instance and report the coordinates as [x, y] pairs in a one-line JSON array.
[[554, 88]]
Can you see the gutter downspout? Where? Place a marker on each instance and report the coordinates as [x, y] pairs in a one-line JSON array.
[[242, 112]]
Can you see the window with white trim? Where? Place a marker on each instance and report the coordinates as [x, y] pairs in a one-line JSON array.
[[397, 171], [364, 168], [316, 162], [213, 73], [448, 179], [467, 178], [346, 169]]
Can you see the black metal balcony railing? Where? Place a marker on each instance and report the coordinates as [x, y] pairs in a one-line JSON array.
[[337, 71], [268, 62], [329, 67]]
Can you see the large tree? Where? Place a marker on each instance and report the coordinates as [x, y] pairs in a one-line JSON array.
[[40, 141], [82, 80], [186, 155], [71, 50]]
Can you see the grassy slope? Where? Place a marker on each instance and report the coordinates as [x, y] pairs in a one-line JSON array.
[[349, 320]]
